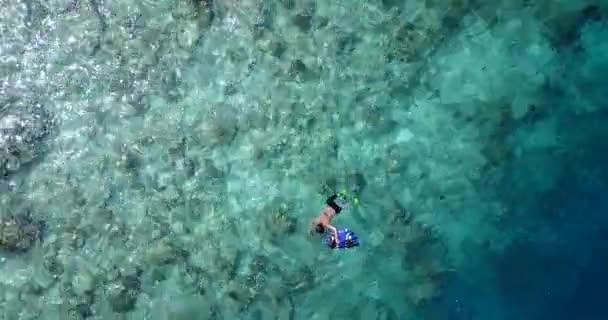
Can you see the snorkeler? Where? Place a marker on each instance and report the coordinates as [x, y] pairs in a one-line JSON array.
[[338, 238], [323, 221]]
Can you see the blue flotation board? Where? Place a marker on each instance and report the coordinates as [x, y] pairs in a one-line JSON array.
[[346, 239]]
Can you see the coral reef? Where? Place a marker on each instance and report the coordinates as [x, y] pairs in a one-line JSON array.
[[197, 137], [219, 127], [278, 222], [564, 19], [20, 232], [122, 293], [22, 130], [424, 29], [427, 263]]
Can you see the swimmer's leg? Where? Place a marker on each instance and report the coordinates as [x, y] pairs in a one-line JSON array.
[[337, 203]]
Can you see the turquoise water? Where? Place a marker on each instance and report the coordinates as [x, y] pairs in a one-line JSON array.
[[162, 160]]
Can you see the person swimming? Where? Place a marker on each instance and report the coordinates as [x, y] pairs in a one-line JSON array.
[[338, 238], [323, 222]]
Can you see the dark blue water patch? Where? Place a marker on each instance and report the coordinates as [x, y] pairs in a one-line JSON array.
[[586, 298], [537, 277], [553, 268], [554, 271], [577, 275]]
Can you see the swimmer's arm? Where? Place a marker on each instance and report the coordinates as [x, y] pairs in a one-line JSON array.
[[334, 230]]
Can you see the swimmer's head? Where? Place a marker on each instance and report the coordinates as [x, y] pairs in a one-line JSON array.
[[319, 228]]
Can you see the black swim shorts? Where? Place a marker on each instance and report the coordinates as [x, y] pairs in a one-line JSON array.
[[331, 202]]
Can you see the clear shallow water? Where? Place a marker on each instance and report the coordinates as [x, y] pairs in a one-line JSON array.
[[191, 146]]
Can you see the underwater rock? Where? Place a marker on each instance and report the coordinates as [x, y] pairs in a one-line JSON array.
[[18, 233], [288, 4], [259, 264], [123, 293], [346, 42], [22, 130], [422, 292], [211, 171], [278, 222], [303, 21], [272, 45], [356, 182], [220, 127], [329, 186], [566, 22], [83, 310], [411, 40], [258, 284], [204, 12], [121, 299], [497, 130], [243, 294], [400, 215], [278, 48], [264, 21], [6, 186], [298, 68], [426, 263], [52, 264], [300, 281], [83, 282], [384, 312], [353, 182], [163, 252]]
